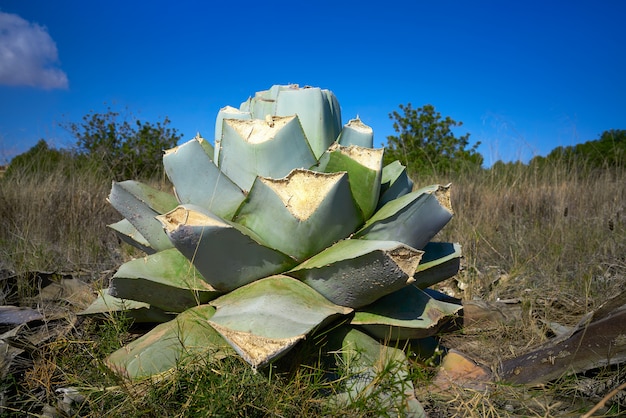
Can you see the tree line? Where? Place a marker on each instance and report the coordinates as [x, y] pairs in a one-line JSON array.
[[425, 142]]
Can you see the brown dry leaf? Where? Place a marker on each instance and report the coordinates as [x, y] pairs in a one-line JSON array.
[[599, 340]]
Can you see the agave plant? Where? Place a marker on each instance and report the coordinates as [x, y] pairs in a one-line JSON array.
[[287, 224]]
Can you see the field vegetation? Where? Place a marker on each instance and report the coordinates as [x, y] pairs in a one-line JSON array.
[[550, 237], [544, 245]]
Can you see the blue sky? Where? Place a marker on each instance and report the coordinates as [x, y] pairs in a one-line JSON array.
[[523, 77]]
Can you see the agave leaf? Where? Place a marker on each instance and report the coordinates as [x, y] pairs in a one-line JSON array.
[[227, 112], [372, 370], [357, 133], [264, 102], [166, 280], [267, 148], [301, 214], [172, 344], [318, 112], [129, 234], [441, 260], [226, 254], [355, 273], [105, 305], [197, 179], [412, 219], [409, 313], [266, 318], [364, 167], [395, 182], [140, 203]]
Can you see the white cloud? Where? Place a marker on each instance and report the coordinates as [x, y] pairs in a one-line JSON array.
[[28, 55]]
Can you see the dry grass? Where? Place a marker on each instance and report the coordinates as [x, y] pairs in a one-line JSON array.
[[56, 222], [552, 238]]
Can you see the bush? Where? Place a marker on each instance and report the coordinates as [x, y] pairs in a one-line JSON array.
[[121, 148]]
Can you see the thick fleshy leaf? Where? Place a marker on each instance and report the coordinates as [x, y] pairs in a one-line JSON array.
[[355, 272], [166, 280], [266, 318], [226, 254], [267, 148], [129, 234], [264, 102], [301, 214], [189, 337], [140, 203], [364, 168], [318, 111], [395, 182], [227, 112], [441, 260], [412, 219], [106, 305], [197, 179], [409, 313], [356, 132], [371, 370]]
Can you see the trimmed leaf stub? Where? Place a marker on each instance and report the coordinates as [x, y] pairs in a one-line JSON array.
[[395, 182], [225, 254], [266, 148], [129, 234], [441, 261], [166, 280], [317, 109], [301, 214], [171, 345], [364, 168], [413, 219], [409, 313], [356, 132], [268, 317], [198, 181], [140, 203], [355, 273], [106, 305]]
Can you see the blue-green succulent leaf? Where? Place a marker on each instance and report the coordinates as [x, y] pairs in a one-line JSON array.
[[129, 234], [139, 204], [364, 168], [395, 182], [409, 313], [198, 181], [106, 305], [357, 133], [301, 214], [227, 255], [441, 260], [267, 148], [166, 280], [266, 318], [374, 372], [356, 272], [187, 338], [413, 219]]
